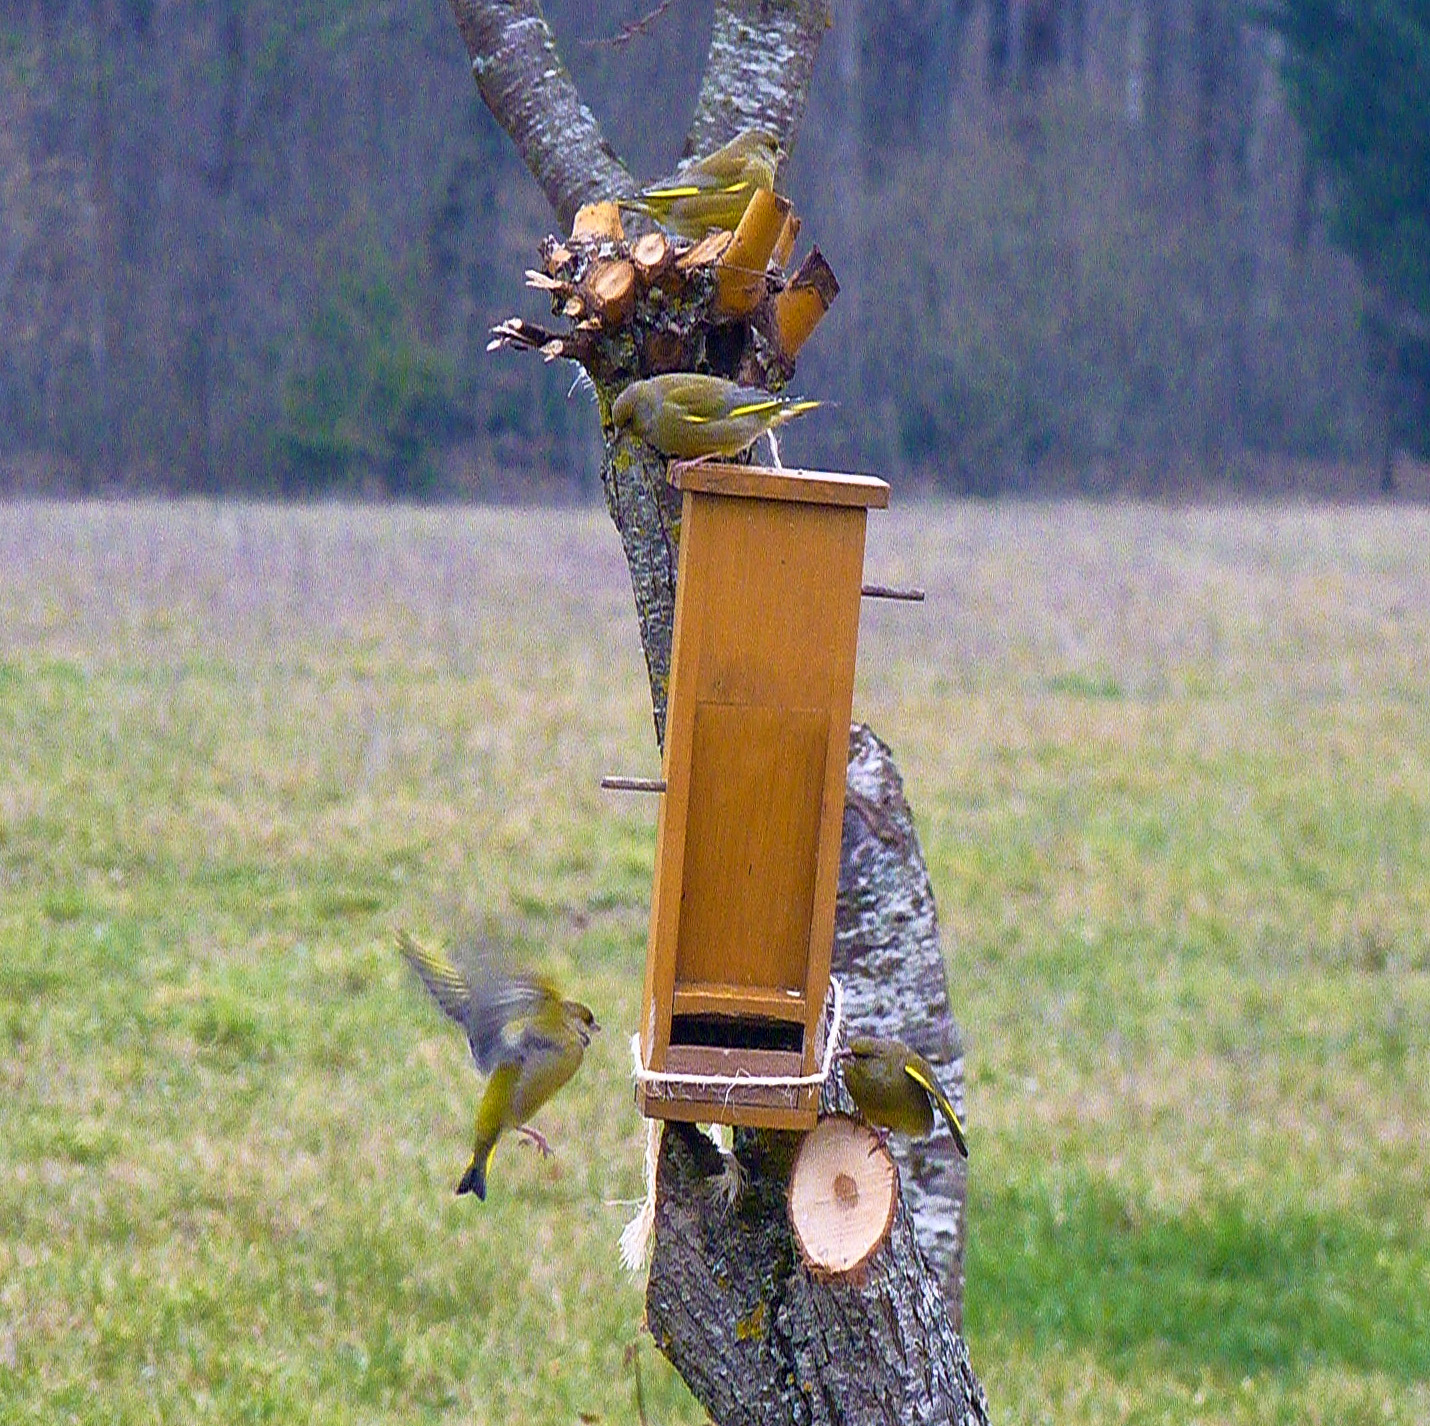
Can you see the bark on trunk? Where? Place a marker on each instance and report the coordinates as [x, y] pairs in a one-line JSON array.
[[758, 70], [760, 1339], [887, 950], [531, 93]]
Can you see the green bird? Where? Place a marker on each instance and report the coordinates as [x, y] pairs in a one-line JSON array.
[[714, 191], [690, 416], [525, 1038], [895, 1088]]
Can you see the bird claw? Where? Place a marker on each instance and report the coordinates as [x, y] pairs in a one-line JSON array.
[[881, 1137], [537, 1138]]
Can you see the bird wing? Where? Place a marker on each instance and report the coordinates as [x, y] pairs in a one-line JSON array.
[[446, 983], [921, 1072], [757, 405], [506, 1019], [754, 402], [693, 403], [668, 193], [495, 1010]]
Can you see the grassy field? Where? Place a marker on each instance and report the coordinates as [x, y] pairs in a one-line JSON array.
[[1172, 772]]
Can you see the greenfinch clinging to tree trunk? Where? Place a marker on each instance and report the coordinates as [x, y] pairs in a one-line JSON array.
[[714, 191], [525, 1038], [690, 416], [895, 1088]]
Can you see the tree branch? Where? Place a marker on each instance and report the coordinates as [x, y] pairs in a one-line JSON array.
[[758, 70], [528, 89]]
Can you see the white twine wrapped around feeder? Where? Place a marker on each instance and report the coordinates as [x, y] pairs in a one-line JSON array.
[[635, 1237]]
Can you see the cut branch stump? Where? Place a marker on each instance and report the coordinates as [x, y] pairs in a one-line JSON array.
[[842, 1191]]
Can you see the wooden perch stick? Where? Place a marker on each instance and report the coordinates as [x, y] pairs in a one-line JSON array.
[[614, 783], [889, 591]]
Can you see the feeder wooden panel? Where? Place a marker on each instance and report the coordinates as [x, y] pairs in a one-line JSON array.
[[757, 739]]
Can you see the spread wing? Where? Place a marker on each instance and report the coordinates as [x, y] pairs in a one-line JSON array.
[[505, 1018], [496, 1011], [446, 984]]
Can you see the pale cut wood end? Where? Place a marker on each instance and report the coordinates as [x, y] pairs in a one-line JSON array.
[[842, 1192], [740, 277], [598, 220], [652, 254], [609, 289]]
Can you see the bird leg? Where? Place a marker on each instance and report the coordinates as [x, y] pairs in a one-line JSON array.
[[537, 1138], [774, 449]]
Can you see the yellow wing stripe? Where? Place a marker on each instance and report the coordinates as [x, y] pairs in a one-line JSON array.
[[688, 190], [926, 1081], [915, 1073], [692, 190], [755, 408]]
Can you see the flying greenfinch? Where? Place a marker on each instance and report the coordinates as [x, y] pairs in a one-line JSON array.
[[714, 191], [690, 416], [895, 1088], [525, 1038]]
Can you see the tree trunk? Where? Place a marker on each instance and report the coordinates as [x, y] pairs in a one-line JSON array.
[[760, 1338], [888, 951], [758, 1335]]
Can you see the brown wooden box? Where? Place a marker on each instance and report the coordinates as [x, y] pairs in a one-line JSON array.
[[756, 744]]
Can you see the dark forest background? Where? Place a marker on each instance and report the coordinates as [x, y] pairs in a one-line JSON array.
[[1083, 244]]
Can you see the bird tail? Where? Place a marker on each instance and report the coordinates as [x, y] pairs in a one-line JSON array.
[[797, 408], [475, 1178], [954, 1124]]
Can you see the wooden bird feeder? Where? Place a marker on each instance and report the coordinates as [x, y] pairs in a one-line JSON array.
[[757, 739]]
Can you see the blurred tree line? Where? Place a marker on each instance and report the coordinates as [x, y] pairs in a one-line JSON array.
[[257, 246]]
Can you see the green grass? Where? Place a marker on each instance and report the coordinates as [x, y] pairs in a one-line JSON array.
[[1172, 773]]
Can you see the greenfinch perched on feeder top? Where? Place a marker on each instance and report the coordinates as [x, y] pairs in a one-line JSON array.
[[895, 1088], [690, 416], [525, 1038], [714, 191]]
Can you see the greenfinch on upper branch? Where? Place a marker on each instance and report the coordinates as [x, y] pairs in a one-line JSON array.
[[690, 416], [714, 191], [525, 1038], [895, 1088]]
